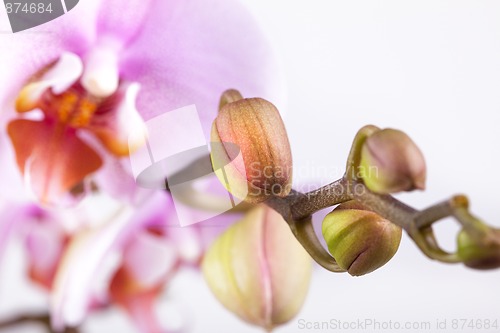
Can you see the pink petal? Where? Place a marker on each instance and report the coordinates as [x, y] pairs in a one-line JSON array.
[[43, 234], [117, 119], [10, 177], [52, 158], [19, 64], [76, 32], [9, 222], [142, 311], [13, 197], [148, 263], [149, 258], [116, 180], [85, 255], [32, 51], [123, 23], [190, 51], [45, 242]]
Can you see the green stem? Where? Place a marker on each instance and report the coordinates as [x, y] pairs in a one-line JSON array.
[[303, 229], [384, 205], [297, 210], [324, 197]]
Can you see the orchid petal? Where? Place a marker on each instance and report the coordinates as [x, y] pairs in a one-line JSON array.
[[59, 77], [101, 74], [148, 259], [142, 311], [115, 179], [74, 32], [45, 242], [123, 23], [149, 262], [11, 179], [188, 242], [115, 123], [203, 48], [44, 249], [86, 252], [54, 167], [12, 194], [43, 234], [29, 52], [10, 220]]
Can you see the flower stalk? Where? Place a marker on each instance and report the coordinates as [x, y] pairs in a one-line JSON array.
[[298, 208], [41, 319]]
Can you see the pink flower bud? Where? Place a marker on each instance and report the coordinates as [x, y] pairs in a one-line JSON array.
[[251, 154], [391, 162], [258, 270]]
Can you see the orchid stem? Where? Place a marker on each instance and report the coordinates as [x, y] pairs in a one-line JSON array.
[[416, 223], [43, 319], [298, 208], [324, 197]]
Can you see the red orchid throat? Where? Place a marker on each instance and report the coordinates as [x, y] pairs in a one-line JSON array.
[[74, 107], [49, 151]]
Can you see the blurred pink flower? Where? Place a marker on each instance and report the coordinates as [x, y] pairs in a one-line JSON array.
[[71, 95], [151, 254], [100, 70], [45, 242]]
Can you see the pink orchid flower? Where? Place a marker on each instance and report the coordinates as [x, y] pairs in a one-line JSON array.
[[81, 84], [75, 89], [46, 240], [152, 251]]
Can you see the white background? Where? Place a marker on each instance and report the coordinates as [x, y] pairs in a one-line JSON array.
[[430, 68]]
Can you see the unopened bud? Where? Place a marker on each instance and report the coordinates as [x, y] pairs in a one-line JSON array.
[[251, 154], [258, 270], [391, 162], [480, 252], [360, 240]]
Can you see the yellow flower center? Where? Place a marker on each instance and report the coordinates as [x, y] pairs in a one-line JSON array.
[[74, 107]]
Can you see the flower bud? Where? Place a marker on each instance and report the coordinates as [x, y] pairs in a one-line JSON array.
[[251, 154], [360, 240], [391, 162], [482, 253], [258, 270]]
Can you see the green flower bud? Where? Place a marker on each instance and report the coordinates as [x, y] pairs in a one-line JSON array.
[[480, 252], [391, 162], [360, 240], [261, 164], [258, 270]]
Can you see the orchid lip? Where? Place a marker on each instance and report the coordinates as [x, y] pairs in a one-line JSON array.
[[71, 96]]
